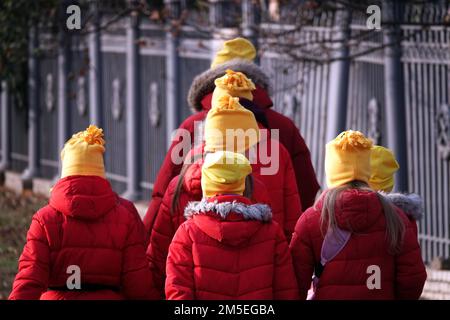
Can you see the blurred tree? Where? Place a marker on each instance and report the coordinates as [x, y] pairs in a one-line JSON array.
[[16, 17]]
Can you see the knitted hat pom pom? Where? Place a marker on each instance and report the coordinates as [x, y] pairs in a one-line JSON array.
[[235, 81], [92, 135], [227, 102], [353, 140]]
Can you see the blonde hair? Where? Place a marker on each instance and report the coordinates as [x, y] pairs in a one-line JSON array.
[[395, 228]]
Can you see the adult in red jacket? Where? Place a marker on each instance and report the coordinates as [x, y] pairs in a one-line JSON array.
[[199, 98], [229, 248], [85, 228], [381, 257]]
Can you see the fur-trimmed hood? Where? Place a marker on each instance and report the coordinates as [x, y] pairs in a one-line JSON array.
[[203, 84], [411, 204], [231, 220], [260, 212]]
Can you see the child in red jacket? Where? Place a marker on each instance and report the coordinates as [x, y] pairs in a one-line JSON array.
[[87, 243], [358, 245], [228, 248]]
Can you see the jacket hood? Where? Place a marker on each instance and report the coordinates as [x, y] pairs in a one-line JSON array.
[[411, 204], [83, 197], [203, 84], [356, 210], [229, 219]]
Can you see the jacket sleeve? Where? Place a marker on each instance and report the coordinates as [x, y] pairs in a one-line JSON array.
[[307, 183], [33, 276], [285, 285], [137, 282], [180, 267], [410, 270], [302, 255], [160, 239], [292, 205]]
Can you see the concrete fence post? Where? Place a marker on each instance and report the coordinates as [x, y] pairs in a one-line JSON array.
[[63, 97], [33, 168], [132, 112], [5, 127], [339, 76], [394, 91], [250, 19], [95, 69], [172, 70]]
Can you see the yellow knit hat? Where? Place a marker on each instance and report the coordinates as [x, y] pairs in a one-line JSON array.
[[224, 172], [383, 167], [347, 158], [235, 84], [238, 48], [229, 126], [83, 154]]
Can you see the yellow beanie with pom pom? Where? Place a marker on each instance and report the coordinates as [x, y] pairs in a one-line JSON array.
[[347, 158], [224, 172], [229, 126], [83, 154], [237, 48], [383, 167]]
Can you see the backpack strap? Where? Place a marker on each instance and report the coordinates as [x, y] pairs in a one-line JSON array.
[[318, 269], [333, 243]]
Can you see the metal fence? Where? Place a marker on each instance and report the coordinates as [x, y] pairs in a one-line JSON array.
[[132, 78]]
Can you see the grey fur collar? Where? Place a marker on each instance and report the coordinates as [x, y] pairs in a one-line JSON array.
[[204, 82], [261, 212], [411, 204]]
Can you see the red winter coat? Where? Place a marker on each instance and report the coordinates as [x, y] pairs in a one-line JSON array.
[[167, 223], [87, 225], [199, 99], [219, 253], [344, 277]]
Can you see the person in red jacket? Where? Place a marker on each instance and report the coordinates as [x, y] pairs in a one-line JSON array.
[[379, 254], [228, 248], [284, 199], [237, 54], [87, 243]]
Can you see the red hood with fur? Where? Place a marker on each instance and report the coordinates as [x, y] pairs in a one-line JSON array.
[[235, 228], [229, 249]]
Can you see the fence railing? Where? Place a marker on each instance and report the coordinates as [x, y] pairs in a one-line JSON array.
[[132, 79]]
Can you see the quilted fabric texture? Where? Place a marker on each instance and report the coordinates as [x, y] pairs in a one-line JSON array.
[[167, 223], [229, 257], [289, 137], [402, 275], [85, 224]]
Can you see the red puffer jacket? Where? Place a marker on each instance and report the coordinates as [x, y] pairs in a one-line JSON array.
[[229, 249], [200, 100], [167, 223], [86, 225], [344, 277]]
